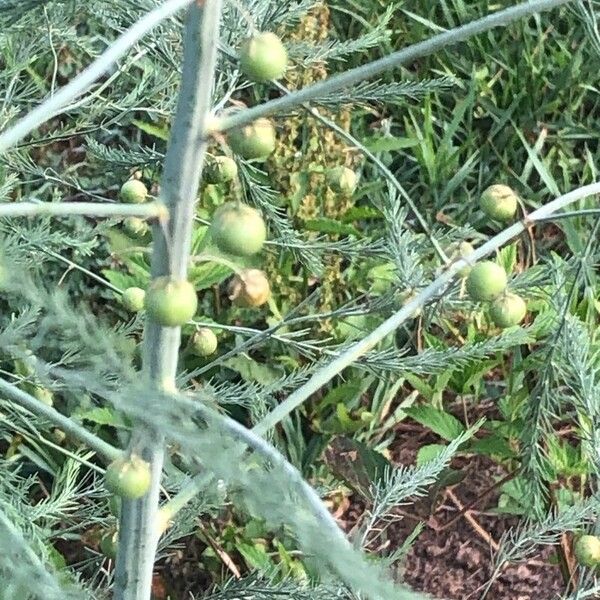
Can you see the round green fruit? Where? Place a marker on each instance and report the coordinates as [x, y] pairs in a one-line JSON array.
[[342, 180], [109, 544], [587, 550], [221, 169], [133, 299], [204, 342], [486, 281], [263, 57], [508, 310], [238, 229], [134, 192], [255, 141], [135, 227], [499, 202], [170, 302], [250, 288], [128, 478]]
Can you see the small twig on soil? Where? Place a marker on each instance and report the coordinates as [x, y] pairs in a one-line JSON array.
[[227, 560], [473, 522], [479, 498]]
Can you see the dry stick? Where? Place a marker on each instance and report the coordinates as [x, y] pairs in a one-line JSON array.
[[473, 522], [352, 354], [138, 535], [479, 498]]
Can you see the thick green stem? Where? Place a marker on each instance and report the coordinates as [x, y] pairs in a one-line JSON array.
[[405, 56], [352, 354], [138, 535]]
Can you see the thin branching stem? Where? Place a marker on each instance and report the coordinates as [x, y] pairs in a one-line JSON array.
[[346, 358], [402, 57], [52, 106], [69, 426], [150, 210]]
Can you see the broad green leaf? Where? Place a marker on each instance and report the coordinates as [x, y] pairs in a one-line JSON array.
[[331, 226], [205, 275], [251, 370], [388, 144], [444, 424], [429, 452], [162, 133]]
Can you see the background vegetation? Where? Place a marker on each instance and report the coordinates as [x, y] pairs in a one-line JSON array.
[[517, 105]]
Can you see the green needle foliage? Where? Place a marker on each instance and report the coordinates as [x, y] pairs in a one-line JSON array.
[[366, 311]]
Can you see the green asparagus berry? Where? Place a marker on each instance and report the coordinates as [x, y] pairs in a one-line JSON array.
[[342, 180], [135, 227], [204, 342], [170, 302], [221, 169], [133, 299], [587, 550], [238, 229], [508, 310], [486, 281], [263, 57], [499, 202], [134, 192], [128, 477], [109, 544], [254, 141]]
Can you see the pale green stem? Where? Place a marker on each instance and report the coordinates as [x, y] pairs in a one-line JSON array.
[[405, 56], [328, 525], [69, 426], [54, 103], [187, 493], [150, 210], [138, 533], [352, 354]]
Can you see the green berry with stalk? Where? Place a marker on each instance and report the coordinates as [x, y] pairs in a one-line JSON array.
[[499, 202], [204, 342], [170, 302], [133, 299], [263, 57], [255, 141], [221, 169], [135, 227], [508, 310], [128, 477], [133, 192]]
